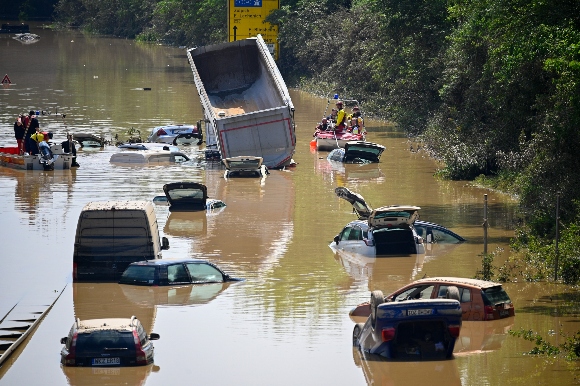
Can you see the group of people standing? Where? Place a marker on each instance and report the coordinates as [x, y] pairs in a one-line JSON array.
[[32, 141], [24, 127], [339, 121]]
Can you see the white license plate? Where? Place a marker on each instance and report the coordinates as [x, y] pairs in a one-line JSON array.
[[504, 313], [419, 312], [106, 361]]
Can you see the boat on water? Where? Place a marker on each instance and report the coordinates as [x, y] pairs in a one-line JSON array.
[[9, 157], [328, 135], [331, 139]]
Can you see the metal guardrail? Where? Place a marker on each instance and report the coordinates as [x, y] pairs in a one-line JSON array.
[[22, 319]]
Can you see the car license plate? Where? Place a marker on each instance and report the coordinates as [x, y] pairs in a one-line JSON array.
[[504, 313], [106, 361], [109, 371], [419, 312]]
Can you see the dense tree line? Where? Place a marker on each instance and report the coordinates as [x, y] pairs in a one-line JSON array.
[[491, 87]]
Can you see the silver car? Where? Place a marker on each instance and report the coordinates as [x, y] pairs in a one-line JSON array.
[[388, 230], [176, 134]]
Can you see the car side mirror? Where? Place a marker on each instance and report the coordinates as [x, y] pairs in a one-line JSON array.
[[336, 239], [164, 243], [154, 336], [64, 340]]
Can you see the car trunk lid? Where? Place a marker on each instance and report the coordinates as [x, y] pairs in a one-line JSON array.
[[362, 209]]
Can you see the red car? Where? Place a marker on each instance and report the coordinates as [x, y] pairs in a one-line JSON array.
[[480, 299]]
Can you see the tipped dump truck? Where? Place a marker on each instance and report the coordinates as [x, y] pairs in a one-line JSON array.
[[247, 107]]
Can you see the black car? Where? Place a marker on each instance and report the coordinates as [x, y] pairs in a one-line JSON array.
[[357, 152], [107, 342], [187, 196], [173, 271]]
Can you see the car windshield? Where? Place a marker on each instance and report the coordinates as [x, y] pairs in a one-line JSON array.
[[111, 341], [373, 152], [387, 214], [136, 274], [252, 163], [184, 193], [496, 295], [204, 273]]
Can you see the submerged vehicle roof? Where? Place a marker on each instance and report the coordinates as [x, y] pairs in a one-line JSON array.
[[169, 261], [425, 224]]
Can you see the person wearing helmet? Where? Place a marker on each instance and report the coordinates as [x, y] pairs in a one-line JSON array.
[[340, 117], [357, 114]]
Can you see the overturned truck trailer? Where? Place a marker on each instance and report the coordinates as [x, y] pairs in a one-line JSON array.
[[247, 107]]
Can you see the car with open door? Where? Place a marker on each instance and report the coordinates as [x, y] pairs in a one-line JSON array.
[[245, 166], [357, 152], [387, 230], [187, 196]]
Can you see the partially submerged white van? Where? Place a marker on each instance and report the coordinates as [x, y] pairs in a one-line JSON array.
[[113, 234]]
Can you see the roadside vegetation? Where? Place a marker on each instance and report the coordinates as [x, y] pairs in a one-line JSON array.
[[490, 87]]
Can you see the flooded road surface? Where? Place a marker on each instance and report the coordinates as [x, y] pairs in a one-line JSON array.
[[288, 322]]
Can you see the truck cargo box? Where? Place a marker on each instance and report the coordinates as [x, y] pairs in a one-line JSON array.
[[247, 107]]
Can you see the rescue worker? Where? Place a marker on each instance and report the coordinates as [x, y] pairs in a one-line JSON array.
[[340, 117], [68, 146], [30, 124], [323, 125]]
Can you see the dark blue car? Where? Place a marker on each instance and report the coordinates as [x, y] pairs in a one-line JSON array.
[[424, 329], [173, 272]]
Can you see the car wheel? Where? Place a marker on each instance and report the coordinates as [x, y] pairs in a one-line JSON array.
[[452, 293], [356, 333], [377, 298]]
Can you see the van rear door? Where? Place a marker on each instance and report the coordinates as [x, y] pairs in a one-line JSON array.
[[108, 241]]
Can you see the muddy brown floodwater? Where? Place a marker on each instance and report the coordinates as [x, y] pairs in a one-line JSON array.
[[287, 323]]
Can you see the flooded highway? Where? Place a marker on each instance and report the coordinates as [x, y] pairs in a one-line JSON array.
[[287, 323]]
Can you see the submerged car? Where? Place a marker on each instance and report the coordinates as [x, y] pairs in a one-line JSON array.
[[388, 230], [148, 146], [424, 329], [174, 271], [357, 152], [151, 157], [176, 134], [244, 166], [187, 196], [479, 299], [107, 342]]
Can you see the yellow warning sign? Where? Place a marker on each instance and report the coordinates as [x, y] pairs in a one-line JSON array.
[[246, 20]]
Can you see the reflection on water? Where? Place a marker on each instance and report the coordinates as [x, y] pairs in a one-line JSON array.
[[187, 295], [381, 272], [103, 376], [481, 337], [381, 371]]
